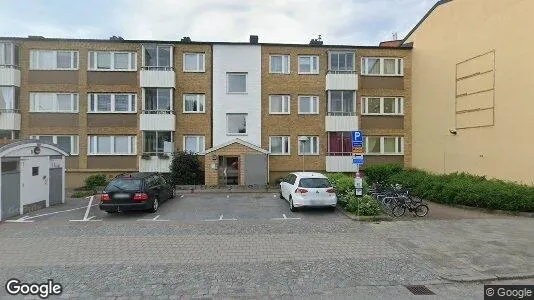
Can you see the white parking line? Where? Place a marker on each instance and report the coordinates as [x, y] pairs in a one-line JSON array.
[[86, 215], [284, 217], [155, 219], [27, 218], [221, 218]]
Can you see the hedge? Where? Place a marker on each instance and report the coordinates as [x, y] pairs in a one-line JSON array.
[[345, 191], [460, 189], [381, 173]]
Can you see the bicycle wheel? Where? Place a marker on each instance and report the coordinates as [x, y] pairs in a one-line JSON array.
[[421, 210], [398, 211]]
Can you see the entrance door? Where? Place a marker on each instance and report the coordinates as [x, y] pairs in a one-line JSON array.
[[34, 179], [256, 169], [228, 170]]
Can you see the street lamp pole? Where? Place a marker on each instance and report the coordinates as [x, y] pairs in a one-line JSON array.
[[303, 140]]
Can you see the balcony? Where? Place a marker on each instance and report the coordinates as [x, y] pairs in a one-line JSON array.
[[9, 76], [336, 163], [155, 164], [342, 80], [341, 121], [157, 77], [157, 120], [9, 119]]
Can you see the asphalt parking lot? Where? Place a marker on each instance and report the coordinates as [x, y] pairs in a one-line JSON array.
[[201, 207]]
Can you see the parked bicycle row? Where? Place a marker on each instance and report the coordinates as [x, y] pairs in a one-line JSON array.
[[396, 200]]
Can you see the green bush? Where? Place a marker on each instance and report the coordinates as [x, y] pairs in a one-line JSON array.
[[382, 172], [81, 194], [466, 189], [94, 181], [364, 206], [186, 169]]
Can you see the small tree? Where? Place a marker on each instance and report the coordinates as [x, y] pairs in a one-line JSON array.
[[186, 169]]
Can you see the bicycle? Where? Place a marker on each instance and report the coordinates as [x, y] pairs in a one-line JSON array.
[[417, 208]]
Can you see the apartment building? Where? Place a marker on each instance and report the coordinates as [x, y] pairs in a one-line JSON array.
[[252, 111], [471, 88]]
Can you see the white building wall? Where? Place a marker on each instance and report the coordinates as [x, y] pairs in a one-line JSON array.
[[237, 58]]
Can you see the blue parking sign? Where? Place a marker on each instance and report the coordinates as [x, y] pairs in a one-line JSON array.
[[357, 160], [357, 136]]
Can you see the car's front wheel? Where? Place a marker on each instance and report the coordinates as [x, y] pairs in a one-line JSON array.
[[155, 205], [281, 196]]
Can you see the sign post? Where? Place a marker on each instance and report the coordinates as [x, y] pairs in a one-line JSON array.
[[357, 159]]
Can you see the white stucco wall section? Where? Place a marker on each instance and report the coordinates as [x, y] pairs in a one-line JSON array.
[[242, 59]]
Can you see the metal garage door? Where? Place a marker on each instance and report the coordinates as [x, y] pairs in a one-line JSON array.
[[10, 194], [55, 190], [256, 169]]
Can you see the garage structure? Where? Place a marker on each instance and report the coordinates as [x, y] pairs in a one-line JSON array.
[[32, 177], [236, 162]]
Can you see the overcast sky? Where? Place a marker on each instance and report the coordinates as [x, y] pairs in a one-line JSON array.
[[360, 22]]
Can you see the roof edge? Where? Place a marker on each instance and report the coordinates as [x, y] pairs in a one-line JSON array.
[[239, 141], [439, 3]]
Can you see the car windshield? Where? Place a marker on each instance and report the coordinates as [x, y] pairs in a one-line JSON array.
[[124, 185], [317, 183]]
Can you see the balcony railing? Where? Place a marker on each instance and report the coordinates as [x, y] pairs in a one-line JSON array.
[[9, 67], [338, 153], [157, 112], [342, 71], [7, 110], [340, 113], [156, 68]]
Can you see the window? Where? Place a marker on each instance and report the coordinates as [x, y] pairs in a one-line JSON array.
[[193, 143], [341, 62], [9, 55], [341, 103], [157, 101], [157, 57], [308, 64], [54, 102], [112, 61], [384, 145], [279, 145], [279, 104], [194, 62], [158, 142], [279, 64], [339, 144], [308, 145], [9, 98], [9, 134], [308, 105], [194, 103], [236, 124], [382, 106], [382, 66], [112, 103], [314, 183], [112, 145], [53, 60], [236, 82], [35, 171], [67, 143]]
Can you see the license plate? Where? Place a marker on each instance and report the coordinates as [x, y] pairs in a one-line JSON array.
[[121, 196]]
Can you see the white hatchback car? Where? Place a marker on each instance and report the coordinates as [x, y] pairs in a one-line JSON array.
[[307, 189]]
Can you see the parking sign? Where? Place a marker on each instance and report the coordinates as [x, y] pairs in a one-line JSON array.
[[357, 137]]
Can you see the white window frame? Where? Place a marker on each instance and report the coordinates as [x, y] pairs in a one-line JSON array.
[[198, 138], [14, 48], [286, 103], [200, 98], [342, 52], [312, 70], [34, 97], [34, 60], [313, 98], [310, 138], [158, 67], [132, 103], [237, 133], [286, 64], [200, 56], [171, 111], [92, 63], [342, 113], [157, 133], [284, 138], [399, 145], [93, 140], [74, 141], [228, 82], [399, 106], [399, 66]]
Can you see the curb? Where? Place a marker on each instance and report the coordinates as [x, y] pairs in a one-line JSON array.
[[490, 278], [365, 218], [491, 211], [179, 192]]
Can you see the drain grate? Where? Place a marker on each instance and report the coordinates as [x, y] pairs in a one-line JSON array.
[[419, 290]]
